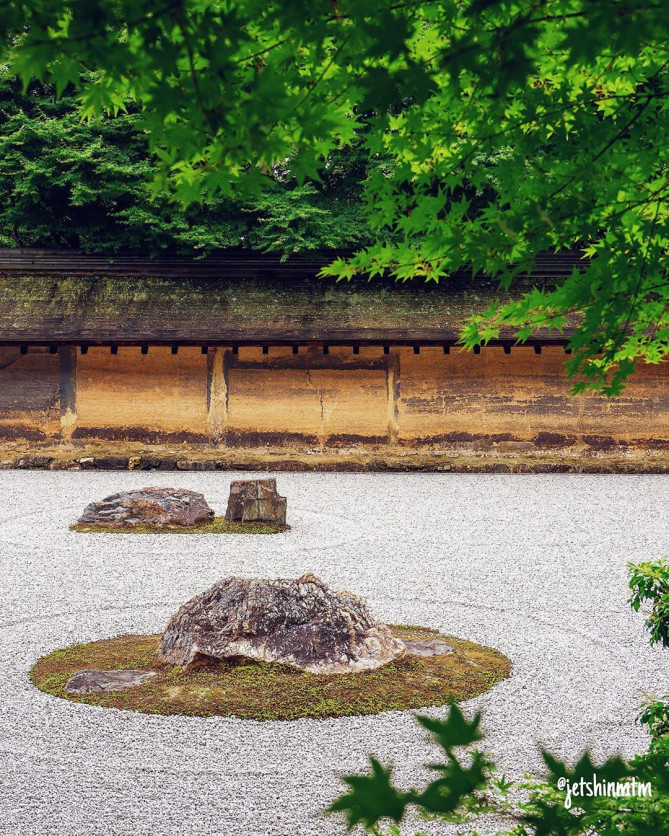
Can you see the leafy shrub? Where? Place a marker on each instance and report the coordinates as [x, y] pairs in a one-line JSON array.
[[68, 183], [655, 715], [650, 582]]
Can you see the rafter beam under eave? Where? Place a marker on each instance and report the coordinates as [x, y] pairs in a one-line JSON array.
[[385, 343]]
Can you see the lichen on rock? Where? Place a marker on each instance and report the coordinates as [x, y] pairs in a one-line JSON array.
[[155, 506], [256, 500], [298, 622]]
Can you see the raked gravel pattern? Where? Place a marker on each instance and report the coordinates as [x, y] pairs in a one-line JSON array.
[[532, 565]]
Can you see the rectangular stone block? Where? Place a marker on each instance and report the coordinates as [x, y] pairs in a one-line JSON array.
[[256, 500]]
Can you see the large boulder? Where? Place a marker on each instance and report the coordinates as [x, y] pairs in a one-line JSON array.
[[256, 500], [300, 622], [153, 506]]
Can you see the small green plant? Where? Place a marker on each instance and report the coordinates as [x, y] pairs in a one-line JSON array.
[[373, 797], [655, 715], [650, 582]]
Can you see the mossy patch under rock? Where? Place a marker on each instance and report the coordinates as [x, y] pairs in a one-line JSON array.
[[260, 691], [216, 526]]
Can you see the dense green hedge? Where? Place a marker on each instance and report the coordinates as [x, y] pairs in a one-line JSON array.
[[68, 183]]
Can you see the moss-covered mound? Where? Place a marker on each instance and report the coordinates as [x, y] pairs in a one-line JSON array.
[[258, 691], [216, 526]]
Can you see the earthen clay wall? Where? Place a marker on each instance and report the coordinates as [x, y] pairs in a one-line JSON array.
[[29, 395], [316, 400]]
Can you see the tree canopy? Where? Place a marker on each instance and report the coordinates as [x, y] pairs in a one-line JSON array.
[[68, 183], [493, 130]]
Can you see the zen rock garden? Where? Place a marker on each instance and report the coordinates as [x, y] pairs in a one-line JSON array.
[[186, 660], [315, 651], [410, 258], [309, 650], [306, 649], [254, 506]]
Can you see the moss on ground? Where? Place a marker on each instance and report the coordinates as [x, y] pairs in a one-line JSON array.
[[216, 526], [260, 691]]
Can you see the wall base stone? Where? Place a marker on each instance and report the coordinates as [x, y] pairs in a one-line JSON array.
[[500, 458]]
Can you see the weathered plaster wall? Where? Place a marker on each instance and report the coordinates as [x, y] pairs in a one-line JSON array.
[[522, 395], [641, 412], [492, 393], [134, 395], [312, 399], [29, 395]]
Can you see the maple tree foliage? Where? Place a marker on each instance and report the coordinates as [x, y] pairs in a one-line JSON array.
[[468, 787], [505, 128]]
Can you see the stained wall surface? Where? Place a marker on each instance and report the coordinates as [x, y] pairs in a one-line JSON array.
[[29, 395], [274, 397], [131, 394], [523, 395], [311, 397]]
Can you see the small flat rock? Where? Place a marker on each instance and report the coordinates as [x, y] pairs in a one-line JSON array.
[[157, 464], [111, 463], [96, 682], [154, 506], [427, 647], [33, 462], [185, 464]]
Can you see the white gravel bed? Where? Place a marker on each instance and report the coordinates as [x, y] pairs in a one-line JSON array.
[[532, 565]]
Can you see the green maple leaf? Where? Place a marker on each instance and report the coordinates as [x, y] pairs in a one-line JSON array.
[[371, 798]]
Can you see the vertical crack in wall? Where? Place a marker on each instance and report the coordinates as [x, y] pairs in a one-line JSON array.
[[322, 434], [325, 412]]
